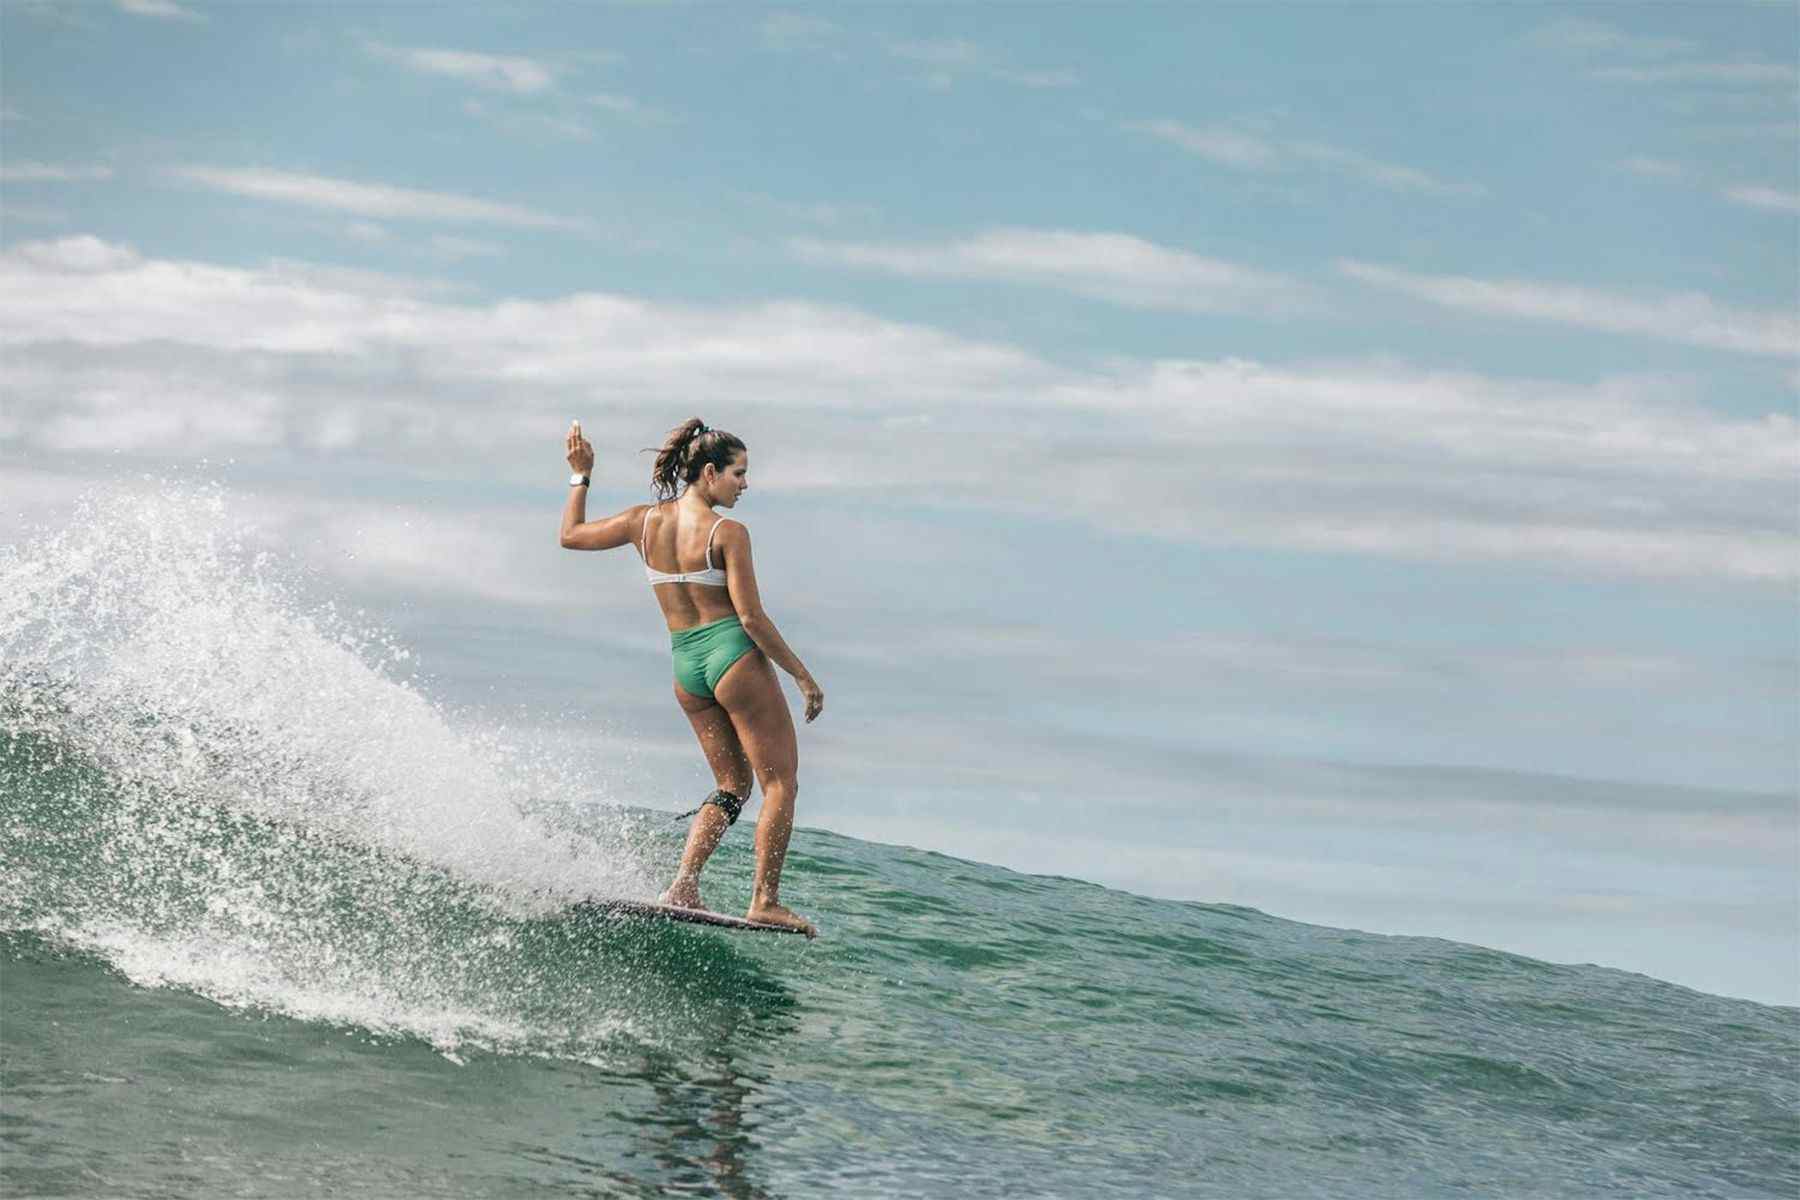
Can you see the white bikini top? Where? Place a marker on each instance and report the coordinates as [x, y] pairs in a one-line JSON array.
[[711, 577]]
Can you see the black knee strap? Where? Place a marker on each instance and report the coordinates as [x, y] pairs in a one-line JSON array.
[[729, 802]]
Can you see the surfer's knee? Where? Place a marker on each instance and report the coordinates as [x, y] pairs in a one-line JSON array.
[[780, 788]]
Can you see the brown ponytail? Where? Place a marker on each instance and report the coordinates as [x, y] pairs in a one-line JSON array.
[[689, 447]]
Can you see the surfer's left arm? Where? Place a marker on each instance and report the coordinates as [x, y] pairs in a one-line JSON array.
[[579, 533]]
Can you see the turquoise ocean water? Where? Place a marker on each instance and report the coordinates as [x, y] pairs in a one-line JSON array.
[[273, 923]]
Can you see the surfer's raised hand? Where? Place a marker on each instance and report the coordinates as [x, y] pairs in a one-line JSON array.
[[815, 696], [581, 454]]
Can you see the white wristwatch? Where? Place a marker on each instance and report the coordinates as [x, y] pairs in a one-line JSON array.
[[578, 480]]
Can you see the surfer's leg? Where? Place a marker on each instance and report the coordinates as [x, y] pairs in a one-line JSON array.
[[731, 771], [752, 697]]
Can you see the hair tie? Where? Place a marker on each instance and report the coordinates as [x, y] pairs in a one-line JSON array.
[[702, 431]]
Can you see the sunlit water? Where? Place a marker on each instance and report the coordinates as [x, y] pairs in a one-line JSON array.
[[273, 923]]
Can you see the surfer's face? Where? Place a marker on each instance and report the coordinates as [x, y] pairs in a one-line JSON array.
[[733, 481]]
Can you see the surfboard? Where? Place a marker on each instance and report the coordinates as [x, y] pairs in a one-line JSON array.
[[669, 912]]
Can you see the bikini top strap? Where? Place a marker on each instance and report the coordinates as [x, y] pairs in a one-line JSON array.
[[709, 540], [644, 535]]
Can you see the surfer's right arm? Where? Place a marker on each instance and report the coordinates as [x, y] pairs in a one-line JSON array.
[[733, 541], [579, 533], [608, 533]]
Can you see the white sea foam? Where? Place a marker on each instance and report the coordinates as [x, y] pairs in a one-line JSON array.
[[266, 809], [235, 975], [161, 643]]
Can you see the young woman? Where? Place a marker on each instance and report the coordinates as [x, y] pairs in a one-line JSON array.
[[723, 644]]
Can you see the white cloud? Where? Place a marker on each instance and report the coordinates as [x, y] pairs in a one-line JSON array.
[[35, 214], [533, 124], [281, 308], [1656, 168], [945, 60], [77, 255], [1755, 196], [1688, 317], [368, 199], [1387, 175], [37, 172], [1759, 131], [56, 12], [499, 557], [1325, 671], [1580, 35], [795, 31], [529, 124], [1688, 82], [454, 248], [1226, 146], [496, 72], [1114, 267], [164, 9], [355, 281], [1627, 475], [814, 213], [1748, 195], [1244, 150], [1386, 460], [953, 52], [1745, 73], [629, 108]]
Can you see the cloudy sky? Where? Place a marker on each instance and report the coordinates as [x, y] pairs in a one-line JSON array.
[[1336, 459]]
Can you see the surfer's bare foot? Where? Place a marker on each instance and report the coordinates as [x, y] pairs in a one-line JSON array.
[[775, 914], [684, 893]]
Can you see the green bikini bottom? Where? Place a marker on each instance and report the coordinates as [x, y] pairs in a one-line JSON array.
[[704, 653]]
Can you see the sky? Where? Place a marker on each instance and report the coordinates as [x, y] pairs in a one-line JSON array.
[[1339, 459]]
